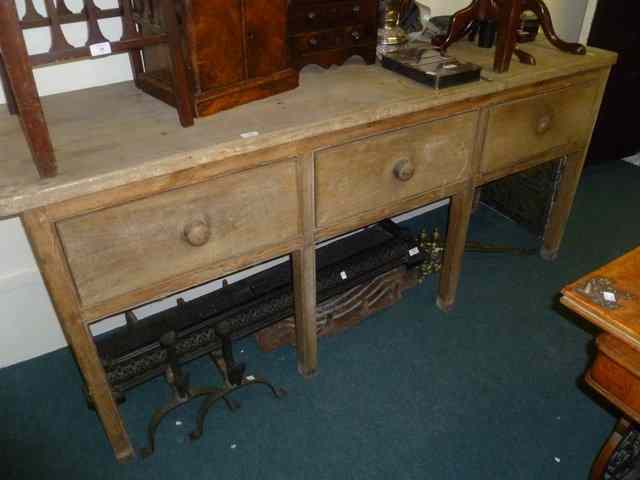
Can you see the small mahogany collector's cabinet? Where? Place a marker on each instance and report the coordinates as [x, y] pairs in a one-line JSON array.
[[328, 32], [236, 52]]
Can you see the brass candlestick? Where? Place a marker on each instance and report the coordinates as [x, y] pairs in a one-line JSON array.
[[391, 33]]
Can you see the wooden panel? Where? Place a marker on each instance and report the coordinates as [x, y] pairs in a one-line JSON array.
[[378, 171], [615, 374], [266, 32], [522, 129], [219, 42], [136, 245]]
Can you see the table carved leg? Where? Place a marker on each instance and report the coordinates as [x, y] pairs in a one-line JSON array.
[[463, 21], [601, 463], [22, 86], [507, 13], [459, 214], [542, 12]]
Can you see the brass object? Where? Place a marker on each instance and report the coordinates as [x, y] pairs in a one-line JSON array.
[[601, 291], [391, 33], [433, 248]]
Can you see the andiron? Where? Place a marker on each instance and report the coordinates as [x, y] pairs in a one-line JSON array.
[[234, 377], [182, 392]]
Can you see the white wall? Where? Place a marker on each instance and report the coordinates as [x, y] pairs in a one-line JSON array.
[[28, 326], [589, 13]]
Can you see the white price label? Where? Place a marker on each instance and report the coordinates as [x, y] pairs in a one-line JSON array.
[[414, 251], [609, 296], [249, 134], [343, 275], [100, 49]]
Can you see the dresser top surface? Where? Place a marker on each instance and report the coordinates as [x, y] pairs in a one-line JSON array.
[[111, 136]]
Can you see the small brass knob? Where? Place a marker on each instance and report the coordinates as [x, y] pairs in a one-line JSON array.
[[355, 35], [356, 8], [311, 15], [313, 42], [544, 123], [404, 170], [197, 233]]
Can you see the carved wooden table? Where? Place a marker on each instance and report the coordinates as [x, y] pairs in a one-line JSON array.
[[142, 208], [610, 298]]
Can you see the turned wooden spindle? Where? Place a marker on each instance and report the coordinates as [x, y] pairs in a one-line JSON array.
[[58, 40], [63, 9], [95, 34], [30, 13]]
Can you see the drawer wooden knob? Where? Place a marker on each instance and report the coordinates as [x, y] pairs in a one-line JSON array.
[[404, 170], [544, 123], [197, 233]]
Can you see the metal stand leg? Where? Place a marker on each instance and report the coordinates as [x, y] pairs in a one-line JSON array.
[[234, 378], [181, 390]]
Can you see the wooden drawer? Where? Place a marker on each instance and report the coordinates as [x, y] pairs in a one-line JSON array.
[[523, 129], [343, 37], [146, 242], [375, 172], [314, 17]]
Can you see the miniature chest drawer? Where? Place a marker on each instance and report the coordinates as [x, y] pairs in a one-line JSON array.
[[310, 17], [328, 32], [146, 242], [379, 171], [334, 38], [522, 129]]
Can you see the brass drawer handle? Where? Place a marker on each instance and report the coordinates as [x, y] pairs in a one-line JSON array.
[[544, 123], [404, 170], [197, 233]]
